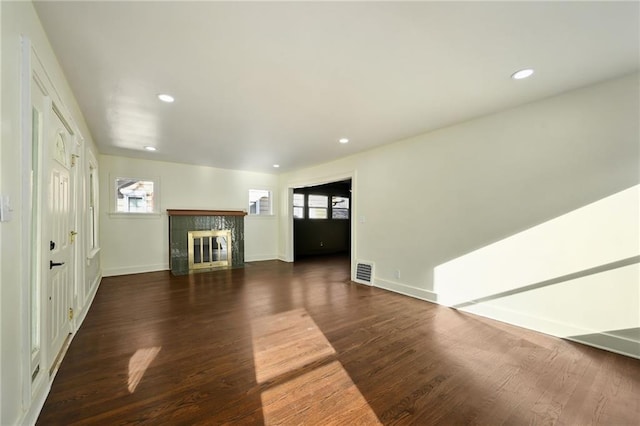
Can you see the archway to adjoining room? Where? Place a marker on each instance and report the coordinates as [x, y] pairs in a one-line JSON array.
[[322, 216]]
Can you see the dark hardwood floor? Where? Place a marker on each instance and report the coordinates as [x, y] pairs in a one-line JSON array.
[[277, 343]]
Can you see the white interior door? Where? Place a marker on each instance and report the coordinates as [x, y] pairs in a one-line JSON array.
[[60, 268]]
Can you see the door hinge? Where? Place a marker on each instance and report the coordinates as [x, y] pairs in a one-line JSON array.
[[70, 313]]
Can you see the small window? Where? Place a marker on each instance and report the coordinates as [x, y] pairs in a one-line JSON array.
[[339, 207], [135, 196], [298, 206], [318, 206], [259, 202]]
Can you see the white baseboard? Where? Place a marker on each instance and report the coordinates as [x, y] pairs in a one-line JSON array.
[[610, 342], [89, 300], [260, 257], [31, 415], [595, 338], [418, 293], [112, 272]]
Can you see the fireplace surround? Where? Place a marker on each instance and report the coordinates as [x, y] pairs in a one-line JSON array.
[[182, 222]]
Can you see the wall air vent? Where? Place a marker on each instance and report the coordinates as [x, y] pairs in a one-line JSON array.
[[364, 273]]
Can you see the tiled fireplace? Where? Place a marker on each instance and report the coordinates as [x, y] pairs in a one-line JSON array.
[[204, 240]]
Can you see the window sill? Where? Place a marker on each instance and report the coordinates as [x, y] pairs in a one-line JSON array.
[[123, 215], [261, 216]]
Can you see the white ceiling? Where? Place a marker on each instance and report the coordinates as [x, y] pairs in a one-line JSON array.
[[258, 83]]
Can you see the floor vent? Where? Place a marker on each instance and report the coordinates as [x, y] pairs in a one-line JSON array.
[[364, 273]]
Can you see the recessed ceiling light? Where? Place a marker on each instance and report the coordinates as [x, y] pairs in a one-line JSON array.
[[166, 98], [519, 75], [343, 140], [276, 165], [150, 148]]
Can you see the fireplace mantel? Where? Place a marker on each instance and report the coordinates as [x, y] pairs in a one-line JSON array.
[[174, 212]]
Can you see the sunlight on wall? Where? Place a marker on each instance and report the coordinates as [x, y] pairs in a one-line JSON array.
[[575, 274], [598, 234], [305, 383], [138, 365]]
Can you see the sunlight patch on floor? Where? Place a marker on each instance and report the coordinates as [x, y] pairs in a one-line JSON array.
[[285, 342], [310, 385], [325, 395], [138, 364]]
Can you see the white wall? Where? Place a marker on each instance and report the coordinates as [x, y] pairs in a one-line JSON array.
[[19, 19], [132, 244], [432, 198]]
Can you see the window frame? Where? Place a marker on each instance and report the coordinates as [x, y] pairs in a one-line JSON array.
[[140, 178], [347, 209], [270, 193], [329, 208], [303, 206], [316, 208]]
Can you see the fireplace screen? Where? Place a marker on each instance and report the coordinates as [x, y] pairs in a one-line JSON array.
[[209, 249]]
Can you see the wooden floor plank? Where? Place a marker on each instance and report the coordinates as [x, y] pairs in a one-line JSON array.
[[279, 343]]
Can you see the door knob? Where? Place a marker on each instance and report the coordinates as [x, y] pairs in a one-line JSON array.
[[52, 264]]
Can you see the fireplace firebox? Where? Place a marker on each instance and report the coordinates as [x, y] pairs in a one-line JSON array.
[[209, 249], [203, 240]]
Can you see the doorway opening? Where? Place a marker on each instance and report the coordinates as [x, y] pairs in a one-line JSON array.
[[322, 220]]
